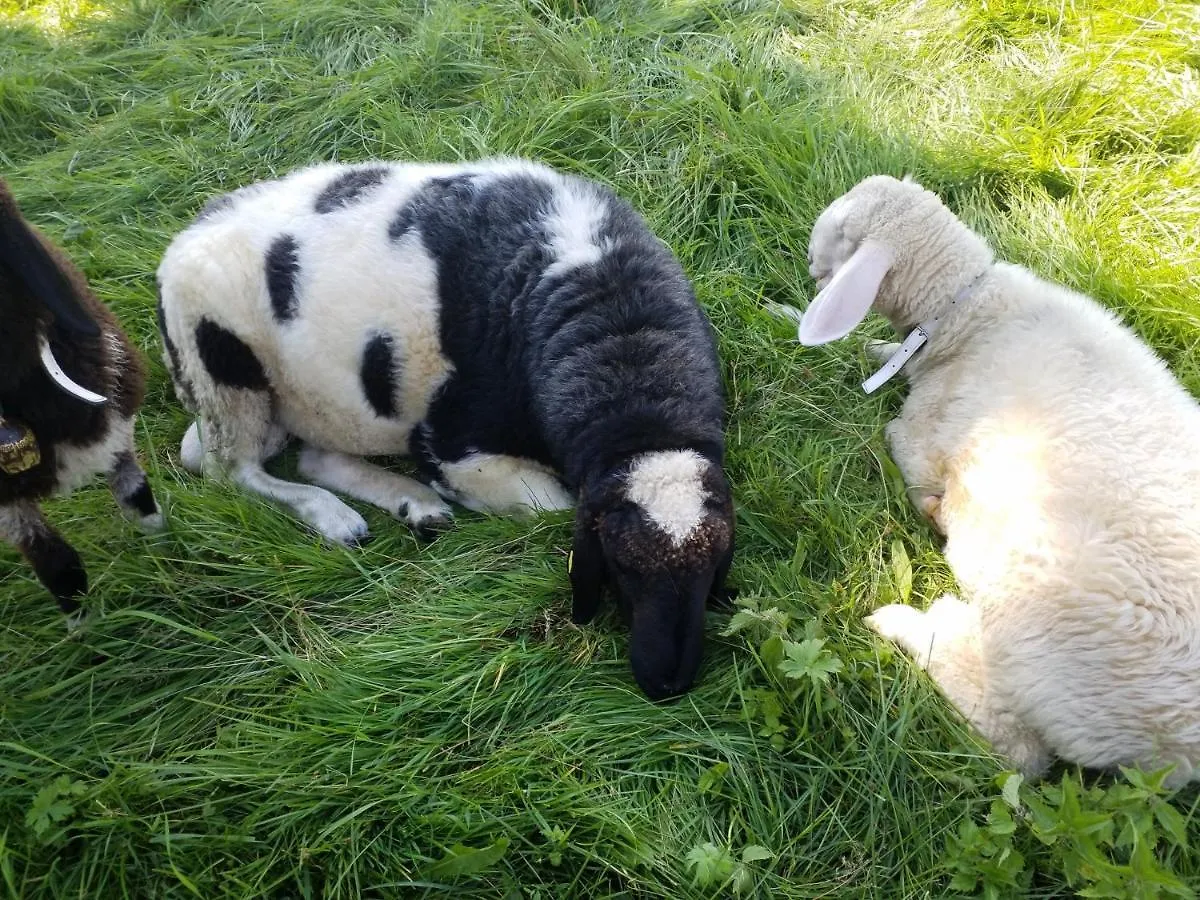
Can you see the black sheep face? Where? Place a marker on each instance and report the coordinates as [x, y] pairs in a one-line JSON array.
[[661, 535]]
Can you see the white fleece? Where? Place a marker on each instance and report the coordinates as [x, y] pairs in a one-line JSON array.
[[1061, 459]]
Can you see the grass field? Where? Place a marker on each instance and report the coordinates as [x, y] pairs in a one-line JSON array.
[[256, 714]]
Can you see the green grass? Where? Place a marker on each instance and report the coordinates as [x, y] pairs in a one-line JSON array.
[[256, 714]]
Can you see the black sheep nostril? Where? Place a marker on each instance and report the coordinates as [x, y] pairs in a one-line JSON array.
[[669, 693], [664, 691]]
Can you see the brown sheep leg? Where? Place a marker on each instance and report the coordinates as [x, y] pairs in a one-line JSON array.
[[56, 562]]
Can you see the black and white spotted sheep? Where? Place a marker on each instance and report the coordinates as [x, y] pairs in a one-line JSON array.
[[70, 385], [520, 332]]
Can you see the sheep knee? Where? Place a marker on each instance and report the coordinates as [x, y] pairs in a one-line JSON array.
[[881, 351], [418, 505], [132, 491], [321, 510]]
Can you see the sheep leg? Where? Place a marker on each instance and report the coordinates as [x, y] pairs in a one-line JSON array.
[[881, 351], [947, 641], [132, 491], [321, 510], [502, 485], [944, 640], [239, 451], [924, 487], [57, 563], [419, 506]]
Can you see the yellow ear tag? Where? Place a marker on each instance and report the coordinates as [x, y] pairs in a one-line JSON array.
[[570, 561]]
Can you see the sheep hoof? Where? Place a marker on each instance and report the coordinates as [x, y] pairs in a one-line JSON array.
[[77, 621], [342, 525], [153, 523], [896, 622], [426, 519], [429, 528]]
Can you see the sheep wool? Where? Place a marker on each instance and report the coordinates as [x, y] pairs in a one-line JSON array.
[[70, 387], [668, 487], [1061, 460], [521, 333]]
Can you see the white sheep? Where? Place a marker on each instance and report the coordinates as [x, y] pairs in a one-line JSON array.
[[1060, 459], [522, 333]]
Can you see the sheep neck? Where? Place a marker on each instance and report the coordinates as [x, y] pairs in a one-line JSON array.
[[918, 336]]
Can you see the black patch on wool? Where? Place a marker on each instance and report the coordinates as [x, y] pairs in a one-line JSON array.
[[421, 452], [172, 350], [448, 191], [142, 499], [578, 370], [404, 222], [380, 374], [349, 187], [489, 243], [58, 566], [282, 265], [227, 357], [182, 387], [214, 205]]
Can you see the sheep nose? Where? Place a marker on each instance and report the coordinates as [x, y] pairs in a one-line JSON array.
[[666, 691], [665, 686]]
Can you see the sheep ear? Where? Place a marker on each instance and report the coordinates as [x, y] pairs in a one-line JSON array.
[[28, 259], [847, 298], [586, 568]]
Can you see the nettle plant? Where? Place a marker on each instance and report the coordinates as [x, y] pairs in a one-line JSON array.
[[804, 673], [799, 673], [1115, 840], [713, 866]]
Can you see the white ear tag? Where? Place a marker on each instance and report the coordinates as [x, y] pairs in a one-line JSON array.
[[62, 379], [847, 299]]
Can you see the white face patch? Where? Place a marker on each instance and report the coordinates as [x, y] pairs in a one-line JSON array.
[[574, 223], [667, 485]]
